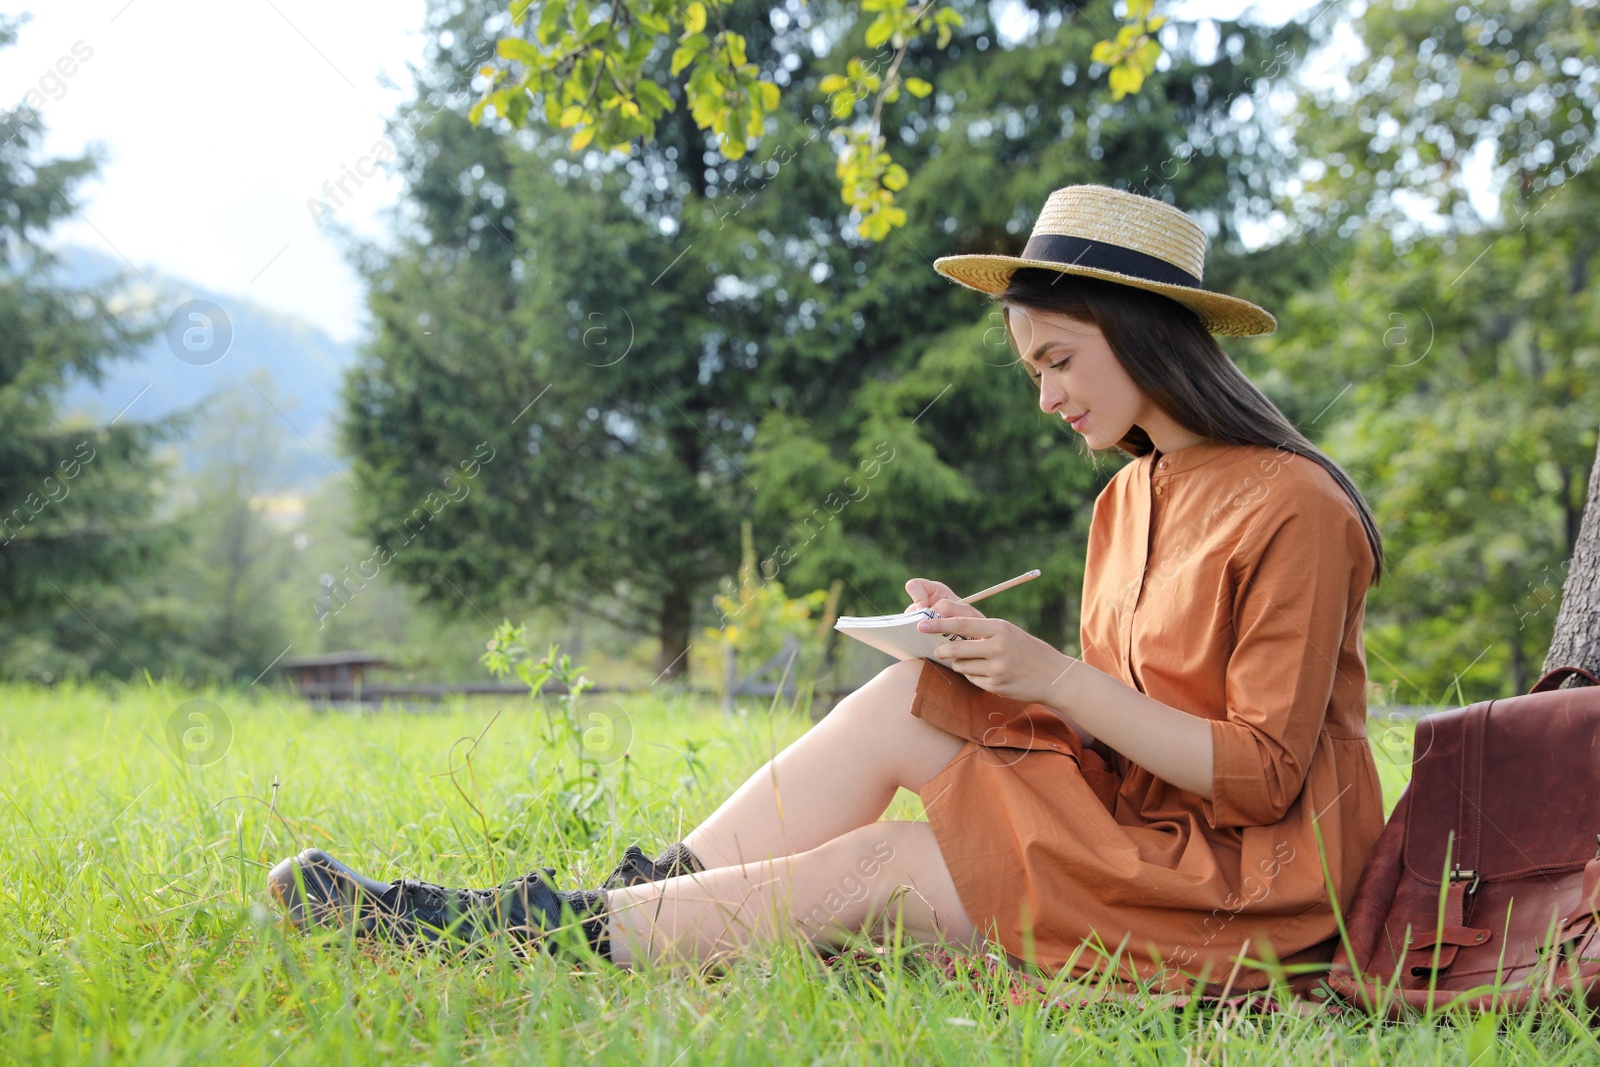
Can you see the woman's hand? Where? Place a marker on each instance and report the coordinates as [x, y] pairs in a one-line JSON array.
[[940, 599], [1000, 657]]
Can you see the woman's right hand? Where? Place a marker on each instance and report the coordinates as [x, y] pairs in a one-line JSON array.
[[940, 599]]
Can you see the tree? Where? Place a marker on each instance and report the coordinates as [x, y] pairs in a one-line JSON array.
[[76, 500], [780, 356], [1468, 346], [558, 395], [233, 574]]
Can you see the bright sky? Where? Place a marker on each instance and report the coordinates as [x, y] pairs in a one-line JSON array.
[[220, 120]]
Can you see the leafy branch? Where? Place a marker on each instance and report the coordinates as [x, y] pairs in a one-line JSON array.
[[586, 72], [1132, 56]]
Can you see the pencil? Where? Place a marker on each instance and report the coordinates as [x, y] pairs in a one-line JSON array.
[[1007, 584]]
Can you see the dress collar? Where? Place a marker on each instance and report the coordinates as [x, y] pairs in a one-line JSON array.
[[1186, 458]]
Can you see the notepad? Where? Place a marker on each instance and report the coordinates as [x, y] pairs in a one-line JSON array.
[[896, 634]]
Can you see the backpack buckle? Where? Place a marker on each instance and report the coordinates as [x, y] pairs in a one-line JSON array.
[[1459, 875]]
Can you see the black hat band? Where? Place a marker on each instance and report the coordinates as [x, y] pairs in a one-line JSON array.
[[1082, 252]]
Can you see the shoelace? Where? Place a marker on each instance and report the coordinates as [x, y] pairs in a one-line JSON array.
[[413, 907], [436, 895]]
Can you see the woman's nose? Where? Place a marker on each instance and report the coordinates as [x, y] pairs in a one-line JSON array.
[[1050, 397]]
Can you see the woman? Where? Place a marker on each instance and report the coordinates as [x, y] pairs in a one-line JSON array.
[[1161, 807]]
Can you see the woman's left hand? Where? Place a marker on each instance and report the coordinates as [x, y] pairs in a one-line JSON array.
[[1000, 657]]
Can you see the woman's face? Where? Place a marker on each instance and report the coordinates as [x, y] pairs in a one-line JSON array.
[[1078, 375]]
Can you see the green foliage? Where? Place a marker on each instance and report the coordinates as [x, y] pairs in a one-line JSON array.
[[642, 394], [756, 618], [868, 176], [588, 73], [235, 574], [583, 794], [602, 480], [508, 653], [1455, 365], [77, 500], [1440, 82], [1132, 56]]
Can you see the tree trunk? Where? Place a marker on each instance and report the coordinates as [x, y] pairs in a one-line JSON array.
[[1577, 637], [1571, 511], [673, 665], [1520, 682]]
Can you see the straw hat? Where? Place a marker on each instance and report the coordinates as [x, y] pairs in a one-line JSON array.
[[1101, 232]]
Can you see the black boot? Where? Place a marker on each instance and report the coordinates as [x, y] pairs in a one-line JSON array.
[[635, 869], [315, 888]]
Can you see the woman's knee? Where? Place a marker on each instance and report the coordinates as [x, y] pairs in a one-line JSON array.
[[889, 868], [862, 713], [891, 689], [894, 688]]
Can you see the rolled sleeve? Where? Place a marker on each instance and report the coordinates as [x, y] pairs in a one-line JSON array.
[[1290, 614]]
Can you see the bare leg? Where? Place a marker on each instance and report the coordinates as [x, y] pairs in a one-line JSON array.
[[871, 874], [840, 775]]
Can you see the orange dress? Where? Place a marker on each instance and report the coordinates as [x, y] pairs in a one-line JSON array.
[[1228, 581]]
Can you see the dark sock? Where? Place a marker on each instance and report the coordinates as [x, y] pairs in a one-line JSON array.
[[637, 869], [590, 906], [674, 861], [679, 861]]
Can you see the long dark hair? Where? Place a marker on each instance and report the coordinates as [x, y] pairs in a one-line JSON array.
[[1179, 366]]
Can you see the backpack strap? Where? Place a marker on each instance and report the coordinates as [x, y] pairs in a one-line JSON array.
[[1464, 874], [1556, 675], [1572, 924], [1450, 937]]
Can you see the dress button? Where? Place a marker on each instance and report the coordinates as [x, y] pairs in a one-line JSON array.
[[1158, 490], [1163, 463]]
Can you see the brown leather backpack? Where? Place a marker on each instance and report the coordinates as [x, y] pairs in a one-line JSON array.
[[1481, 891]]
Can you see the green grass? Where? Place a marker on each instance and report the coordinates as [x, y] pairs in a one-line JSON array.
[[138, 932]]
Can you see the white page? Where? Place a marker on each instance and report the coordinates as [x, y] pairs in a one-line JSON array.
[[896, 634]]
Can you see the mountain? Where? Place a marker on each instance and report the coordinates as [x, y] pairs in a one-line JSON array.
[[304, 364]]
